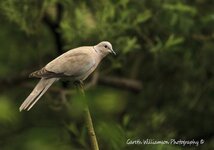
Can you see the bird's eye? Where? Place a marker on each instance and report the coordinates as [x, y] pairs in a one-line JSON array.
[[106, 46]]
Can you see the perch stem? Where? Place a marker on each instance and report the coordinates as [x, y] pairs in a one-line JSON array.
[[89, 123]]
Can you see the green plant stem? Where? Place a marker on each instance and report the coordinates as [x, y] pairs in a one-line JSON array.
[[89, 123], [90, 128]]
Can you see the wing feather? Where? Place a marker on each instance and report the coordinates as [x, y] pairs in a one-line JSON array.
[[72, 63]]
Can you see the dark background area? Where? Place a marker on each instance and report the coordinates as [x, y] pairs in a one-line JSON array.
[[159, 86]]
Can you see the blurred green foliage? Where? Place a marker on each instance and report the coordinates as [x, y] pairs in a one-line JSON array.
[[167, 46]]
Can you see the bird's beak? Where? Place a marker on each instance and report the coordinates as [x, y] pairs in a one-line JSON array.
[[112, 51]]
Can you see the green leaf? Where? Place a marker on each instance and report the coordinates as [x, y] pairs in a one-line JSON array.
[[112, 134], [157, 46], [128, 44], [172, 41], [181, 8], [126, 119], [143, 17]]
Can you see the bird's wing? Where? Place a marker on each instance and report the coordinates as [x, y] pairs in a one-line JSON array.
[[73, 63], [43, 73]]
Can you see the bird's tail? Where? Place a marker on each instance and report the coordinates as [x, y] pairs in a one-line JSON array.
[[37, 92]]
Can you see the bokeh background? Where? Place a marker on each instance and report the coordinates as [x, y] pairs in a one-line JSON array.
[[160, 85]]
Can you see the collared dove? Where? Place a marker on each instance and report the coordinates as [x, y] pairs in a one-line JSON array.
[[76, 63]]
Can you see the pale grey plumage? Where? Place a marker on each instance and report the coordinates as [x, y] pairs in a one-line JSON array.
[[77, 63]]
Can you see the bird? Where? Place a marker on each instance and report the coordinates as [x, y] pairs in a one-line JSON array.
[[77, 64]]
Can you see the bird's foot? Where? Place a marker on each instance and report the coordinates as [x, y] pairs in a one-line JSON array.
[[79, 83]]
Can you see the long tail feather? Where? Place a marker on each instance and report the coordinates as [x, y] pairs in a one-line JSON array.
[[37, 92]]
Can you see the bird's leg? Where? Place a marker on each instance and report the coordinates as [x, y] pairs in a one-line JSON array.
[[80, 86], [78, 83]]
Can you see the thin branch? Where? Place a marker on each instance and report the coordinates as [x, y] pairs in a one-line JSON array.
[[89, 123], [122, 83], [112, 81], [54, 26], [90, 128], [201, 37]]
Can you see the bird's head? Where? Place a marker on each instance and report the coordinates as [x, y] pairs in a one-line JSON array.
[[104, 48]]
